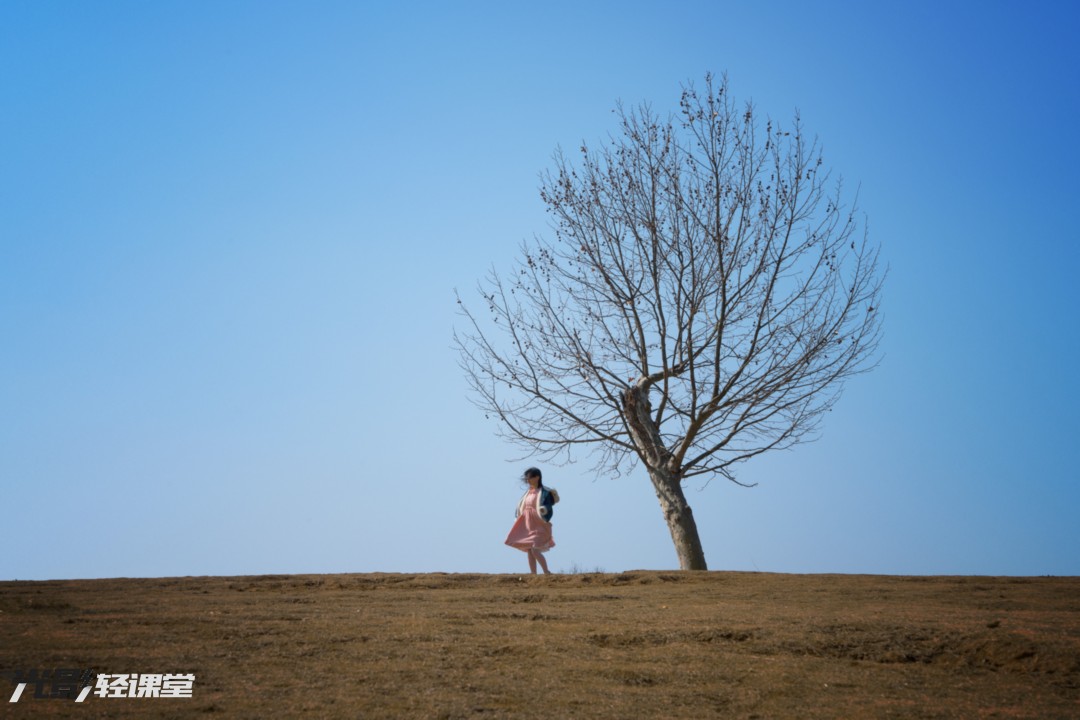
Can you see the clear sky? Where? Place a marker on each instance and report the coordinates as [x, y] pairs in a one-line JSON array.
[[231, 232]]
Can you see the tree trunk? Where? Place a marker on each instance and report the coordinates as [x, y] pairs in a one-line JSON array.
[[665, 477], [680, 520]]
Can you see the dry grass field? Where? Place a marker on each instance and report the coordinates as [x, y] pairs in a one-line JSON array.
[[630, 645]]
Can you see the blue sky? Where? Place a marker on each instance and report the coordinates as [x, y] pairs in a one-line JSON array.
[[231, 233]]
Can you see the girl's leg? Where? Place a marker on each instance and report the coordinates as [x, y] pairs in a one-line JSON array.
[[542, 560], [532, 561]]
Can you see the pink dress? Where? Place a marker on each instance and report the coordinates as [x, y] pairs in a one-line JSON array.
[[530, 531]]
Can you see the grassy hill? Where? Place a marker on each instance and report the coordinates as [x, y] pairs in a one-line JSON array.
[[636, 644]]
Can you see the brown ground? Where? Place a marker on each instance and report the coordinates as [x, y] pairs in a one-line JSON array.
[[637, 644]]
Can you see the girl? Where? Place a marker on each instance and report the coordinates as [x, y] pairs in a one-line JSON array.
[[532, 529]]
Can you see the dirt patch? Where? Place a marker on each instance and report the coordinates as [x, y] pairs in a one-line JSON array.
[[638, 644]]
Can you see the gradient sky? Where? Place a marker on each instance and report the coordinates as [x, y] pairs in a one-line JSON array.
[[231, 233]]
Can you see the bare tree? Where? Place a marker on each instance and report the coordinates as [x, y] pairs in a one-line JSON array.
[[705, 297]]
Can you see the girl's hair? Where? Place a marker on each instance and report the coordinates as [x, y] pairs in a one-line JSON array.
[[534, 472]]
